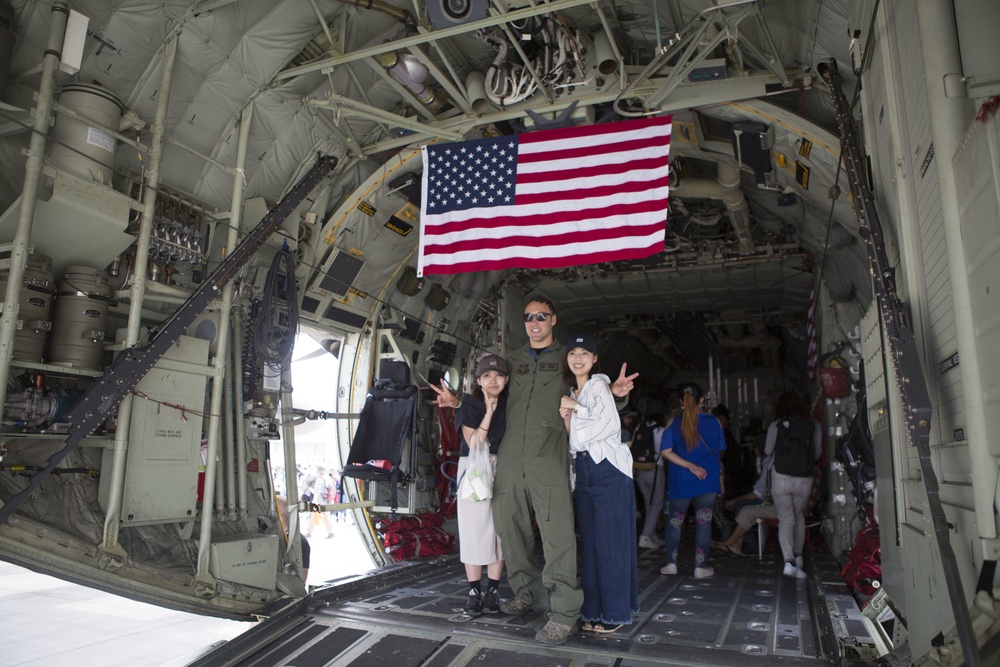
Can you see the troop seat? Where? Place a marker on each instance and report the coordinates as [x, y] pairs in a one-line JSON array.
[[387, 429]]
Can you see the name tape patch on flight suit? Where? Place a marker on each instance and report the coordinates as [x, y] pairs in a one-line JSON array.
[[548, 367]]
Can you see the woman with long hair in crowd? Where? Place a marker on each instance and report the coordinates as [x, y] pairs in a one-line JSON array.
[[693, 444]]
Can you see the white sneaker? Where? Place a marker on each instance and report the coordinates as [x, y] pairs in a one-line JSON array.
[[669, 568], [647, 542], [791, 570], [703, 572], [798, 562]]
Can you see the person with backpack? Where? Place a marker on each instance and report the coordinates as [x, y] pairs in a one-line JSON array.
[[795, 441]]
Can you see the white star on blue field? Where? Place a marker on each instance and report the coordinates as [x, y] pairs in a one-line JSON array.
[[471, 174]]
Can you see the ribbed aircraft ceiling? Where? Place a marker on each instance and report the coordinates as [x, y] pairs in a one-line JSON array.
[[231, 54]]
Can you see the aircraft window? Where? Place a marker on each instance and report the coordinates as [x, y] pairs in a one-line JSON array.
[[715, 129]]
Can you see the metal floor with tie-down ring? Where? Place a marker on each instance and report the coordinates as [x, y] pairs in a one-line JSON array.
[[411, 614]]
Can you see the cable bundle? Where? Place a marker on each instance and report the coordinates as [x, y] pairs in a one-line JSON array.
[[277, 321]]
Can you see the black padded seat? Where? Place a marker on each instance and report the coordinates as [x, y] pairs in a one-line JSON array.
[[387, 425]]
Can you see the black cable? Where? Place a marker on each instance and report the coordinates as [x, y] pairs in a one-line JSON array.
[[834, 195]]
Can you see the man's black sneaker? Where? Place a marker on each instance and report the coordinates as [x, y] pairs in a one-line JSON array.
[[474, 607], [491, 601]]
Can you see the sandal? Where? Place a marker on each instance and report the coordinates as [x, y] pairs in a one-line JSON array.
[[727, 548], [587, 627], [602, 629]]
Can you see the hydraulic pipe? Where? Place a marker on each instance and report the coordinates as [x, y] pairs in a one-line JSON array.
[[236, 374], [138, 291], [218, 503], [241, 432], [288, 444], [222, 342], [229, 445], [29, 191]]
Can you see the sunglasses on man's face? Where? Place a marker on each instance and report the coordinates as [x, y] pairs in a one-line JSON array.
[[539, 317]]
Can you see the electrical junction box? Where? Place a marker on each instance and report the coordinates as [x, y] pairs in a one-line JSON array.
[[711, 69], [164, 448], [250, 559]]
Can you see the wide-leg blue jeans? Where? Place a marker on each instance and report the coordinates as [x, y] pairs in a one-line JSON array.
[[605, 512], [676, 511]]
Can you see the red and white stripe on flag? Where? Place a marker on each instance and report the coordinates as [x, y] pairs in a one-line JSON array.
[[546, 199], [812, 351]]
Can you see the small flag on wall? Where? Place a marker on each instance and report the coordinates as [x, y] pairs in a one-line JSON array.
[[546, 199]]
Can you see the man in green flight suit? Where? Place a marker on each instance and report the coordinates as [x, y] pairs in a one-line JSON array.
[[532, 478]]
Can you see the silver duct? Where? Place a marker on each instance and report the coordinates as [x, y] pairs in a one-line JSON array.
[[725, 188]]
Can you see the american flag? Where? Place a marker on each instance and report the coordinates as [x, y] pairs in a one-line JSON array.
[[545, 199]]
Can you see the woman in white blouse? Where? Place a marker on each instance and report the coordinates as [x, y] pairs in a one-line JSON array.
[[604, 495]]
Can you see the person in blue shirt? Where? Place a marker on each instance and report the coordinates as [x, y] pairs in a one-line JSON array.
[[693, 444]]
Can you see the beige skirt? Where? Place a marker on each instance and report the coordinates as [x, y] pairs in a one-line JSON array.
[[478, 541]]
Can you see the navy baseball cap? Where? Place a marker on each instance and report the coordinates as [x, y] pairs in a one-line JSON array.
[[582, 340]]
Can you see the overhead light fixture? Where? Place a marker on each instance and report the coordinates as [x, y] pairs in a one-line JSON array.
[[448, 13]]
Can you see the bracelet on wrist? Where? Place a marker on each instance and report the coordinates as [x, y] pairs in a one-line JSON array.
[[484, 429]]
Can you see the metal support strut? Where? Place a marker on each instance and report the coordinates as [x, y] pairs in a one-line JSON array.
[[903, 350], [131, 365]]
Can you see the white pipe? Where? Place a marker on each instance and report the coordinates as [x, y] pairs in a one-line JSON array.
[[288, 441], [606, 58], [229, 444], [137, 294], [236, 372], [241, 435], [711, 378], [476, 87], [222, 342], [718, 385], [218, 503], [29, 191]]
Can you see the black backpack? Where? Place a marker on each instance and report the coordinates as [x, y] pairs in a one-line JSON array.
[[644, 445], [794, 452]]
